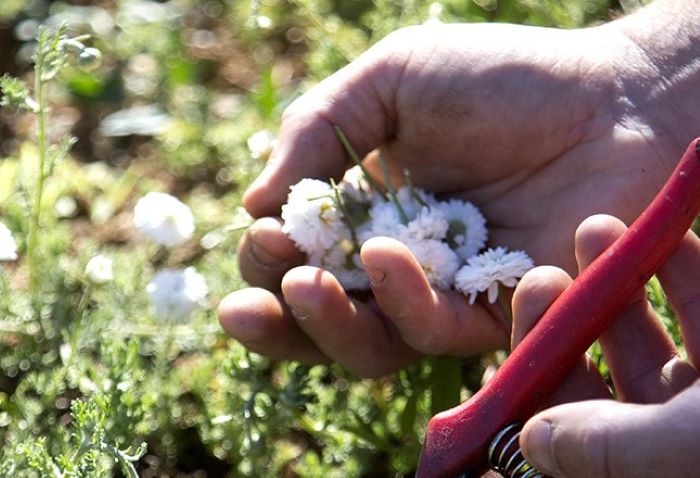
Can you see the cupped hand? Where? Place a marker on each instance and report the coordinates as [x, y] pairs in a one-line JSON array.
[[538, 127], [652, 431]]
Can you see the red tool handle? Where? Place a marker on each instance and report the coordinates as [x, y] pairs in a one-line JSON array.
[[457, 439]]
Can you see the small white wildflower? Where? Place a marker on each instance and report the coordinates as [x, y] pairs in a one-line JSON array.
[[164, 219], [99, 269], [435, 9], [176, 293], [467, 227], [8, 247], [485, 271], [263, 22], [439, 262], [311, 217], [261, 143]]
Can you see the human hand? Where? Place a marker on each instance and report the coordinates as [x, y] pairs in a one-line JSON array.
[[653, 434], [538, 127]]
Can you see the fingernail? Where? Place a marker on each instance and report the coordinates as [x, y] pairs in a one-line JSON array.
[[539, 447], [262, 255], [299, 313], [376, 276]]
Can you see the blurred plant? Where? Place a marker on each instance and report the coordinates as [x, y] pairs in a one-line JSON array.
[[88, 441], [52, 54]]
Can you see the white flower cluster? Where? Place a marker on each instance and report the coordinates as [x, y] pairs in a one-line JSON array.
[[164, 219], [331, 222], [174, 293]]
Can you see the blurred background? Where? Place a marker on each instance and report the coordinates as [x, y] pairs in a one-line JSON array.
[[186, 100]]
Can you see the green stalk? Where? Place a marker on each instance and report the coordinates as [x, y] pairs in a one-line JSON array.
[[35, 221], [390, 190], [346, 215], [356, 159]]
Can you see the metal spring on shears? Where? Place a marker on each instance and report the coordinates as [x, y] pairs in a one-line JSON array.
[[505, 456]]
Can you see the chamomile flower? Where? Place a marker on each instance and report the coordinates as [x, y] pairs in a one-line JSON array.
[[99, 269], [429, 223], [467, 227], [412, 200], [8, 247], [385, 220], [438, 261], [486, 271], [343, 261], [176, 293], [164, 219], [311, 217]]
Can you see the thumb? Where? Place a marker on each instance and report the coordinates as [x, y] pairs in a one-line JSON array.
[[359, 99], [607, 439]]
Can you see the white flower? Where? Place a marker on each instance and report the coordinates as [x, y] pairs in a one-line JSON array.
[[485, 271], [384, 220], [176, 293], [409, 202], [467, 228], [99, 269], [311, 218], [439, 262], [261, 143], [164, 219], [344, 263], [429, 223], [387, 220], [8, 247]]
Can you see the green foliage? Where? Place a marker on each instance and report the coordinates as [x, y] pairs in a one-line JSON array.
[[89, 375], [14, 93]]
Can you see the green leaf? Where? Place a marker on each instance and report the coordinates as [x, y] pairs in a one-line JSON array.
[[445, 383], [265, 96], [14, 93]]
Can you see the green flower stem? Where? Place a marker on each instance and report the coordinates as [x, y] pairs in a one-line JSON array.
[[412, 189], [356, 159], [346, 215], [35, 220], [390, 190], [445, 382]]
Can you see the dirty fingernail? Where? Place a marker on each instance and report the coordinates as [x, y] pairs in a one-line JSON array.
[[300, 313], [376, 276]]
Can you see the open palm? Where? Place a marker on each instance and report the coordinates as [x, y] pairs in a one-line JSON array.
[[540, 128]]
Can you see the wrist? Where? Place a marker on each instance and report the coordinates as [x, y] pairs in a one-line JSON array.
[[657, 71]]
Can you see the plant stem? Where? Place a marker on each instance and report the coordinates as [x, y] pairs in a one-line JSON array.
[[35, 220], [358, 162], [390, 190], [346, 215]]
